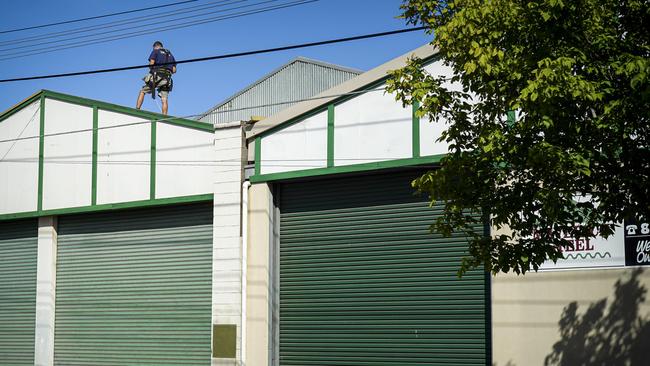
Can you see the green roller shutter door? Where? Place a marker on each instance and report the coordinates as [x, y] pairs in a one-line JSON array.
[[18, 252], [363, 282], [135, 287]]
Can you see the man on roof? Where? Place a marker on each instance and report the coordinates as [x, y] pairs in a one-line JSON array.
[[161, 67]]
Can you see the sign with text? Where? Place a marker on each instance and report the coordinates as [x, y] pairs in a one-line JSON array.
[[592, 253], [637, 244]]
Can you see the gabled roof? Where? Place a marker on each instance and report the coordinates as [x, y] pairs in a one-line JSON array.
[[367, 78], [105, 106], [284, 68]]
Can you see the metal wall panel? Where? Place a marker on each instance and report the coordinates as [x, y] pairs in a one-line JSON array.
[[135, 287], [18, 253], [363, 282], [301, 78]]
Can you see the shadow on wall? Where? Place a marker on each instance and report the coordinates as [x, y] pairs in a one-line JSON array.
[[509, 363], [614, 335]]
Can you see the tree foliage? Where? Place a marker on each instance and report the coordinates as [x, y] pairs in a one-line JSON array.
[[576, 73]]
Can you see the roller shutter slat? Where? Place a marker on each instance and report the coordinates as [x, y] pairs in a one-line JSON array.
[[18, 252], [363, 281], [135, 287]]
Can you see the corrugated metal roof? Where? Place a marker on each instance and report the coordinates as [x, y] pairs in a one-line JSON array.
[[298, 79]]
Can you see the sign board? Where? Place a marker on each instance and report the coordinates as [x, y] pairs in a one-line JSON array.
[[637, 244], [592, 253]]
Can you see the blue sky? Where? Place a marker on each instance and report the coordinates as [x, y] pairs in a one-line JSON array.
[[197, 86]]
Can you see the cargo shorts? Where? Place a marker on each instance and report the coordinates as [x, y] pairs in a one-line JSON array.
[[146, 88]]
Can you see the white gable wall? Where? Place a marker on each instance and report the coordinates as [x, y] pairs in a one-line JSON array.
[[123, 156], [122, 150], [19, 161], [184, 161], [305, 142], [371, 127], [67, 167], [431, 131]]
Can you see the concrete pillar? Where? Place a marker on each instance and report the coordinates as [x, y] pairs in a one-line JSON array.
[[227, 255], [45, 291], [260, 292]]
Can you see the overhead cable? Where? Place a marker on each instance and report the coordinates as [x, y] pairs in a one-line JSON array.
[[132, 29], [115, 23], [94, 17], [219, 57], [152, 31]]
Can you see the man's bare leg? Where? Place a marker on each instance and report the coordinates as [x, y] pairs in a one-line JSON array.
[[164, 105], [138, 104]]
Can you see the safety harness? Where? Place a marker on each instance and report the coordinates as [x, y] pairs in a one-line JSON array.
[[160, 73]]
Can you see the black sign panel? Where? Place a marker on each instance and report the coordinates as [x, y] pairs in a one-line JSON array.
[[637, 244]]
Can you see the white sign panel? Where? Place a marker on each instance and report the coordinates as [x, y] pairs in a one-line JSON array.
[[592, 252]]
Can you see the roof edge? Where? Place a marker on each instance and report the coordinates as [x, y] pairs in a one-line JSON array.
[[20, 105], [327, 64], [370, 77], [109, 107], [275, 71]]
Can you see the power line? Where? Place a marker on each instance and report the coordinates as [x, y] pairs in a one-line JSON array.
[[155, 30], [219, 57], [114, 23], [168, 25], [94, 17]]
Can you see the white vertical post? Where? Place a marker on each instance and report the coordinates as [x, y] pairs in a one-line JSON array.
[[45, 291], [227, 241]]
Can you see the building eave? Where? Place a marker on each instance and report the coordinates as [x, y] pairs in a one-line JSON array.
[[368, 78]]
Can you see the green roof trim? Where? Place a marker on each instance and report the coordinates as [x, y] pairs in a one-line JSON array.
[[182, 122], [432, 160], [110, 206], [24, 103]]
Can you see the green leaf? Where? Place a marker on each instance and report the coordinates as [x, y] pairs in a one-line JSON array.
[[577, 73]]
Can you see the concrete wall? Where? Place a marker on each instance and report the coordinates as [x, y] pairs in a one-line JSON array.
[[586, 317], [260, 293], [45, 291]]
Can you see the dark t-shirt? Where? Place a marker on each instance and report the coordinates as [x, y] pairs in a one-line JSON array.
[[161, 56]]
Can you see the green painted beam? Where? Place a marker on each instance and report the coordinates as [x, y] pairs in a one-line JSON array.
[[93, 190], [511, 118], [152, 163], [258, 155], [433, 159], [330, 136], [129, 111], [416, 130], [41, 148], [110, 206]]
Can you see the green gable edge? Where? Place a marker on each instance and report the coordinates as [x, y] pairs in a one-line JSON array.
[[352, 94], [181, 122]]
